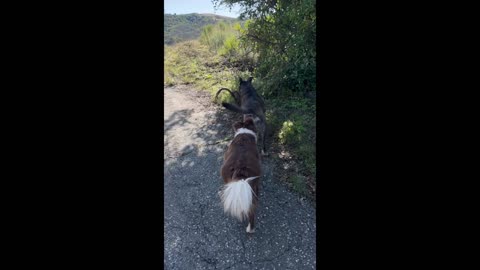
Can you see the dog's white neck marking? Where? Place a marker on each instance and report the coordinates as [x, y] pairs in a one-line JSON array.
[[245, 131]]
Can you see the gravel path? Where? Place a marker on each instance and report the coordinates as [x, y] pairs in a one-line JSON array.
[[198, 235]]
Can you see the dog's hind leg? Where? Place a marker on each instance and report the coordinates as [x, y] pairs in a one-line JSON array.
[[251, 222], [251, 214]]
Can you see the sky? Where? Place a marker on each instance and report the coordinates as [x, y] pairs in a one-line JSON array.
[[198, 6]]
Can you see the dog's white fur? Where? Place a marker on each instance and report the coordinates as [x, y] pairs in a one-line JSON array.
[[237, 197], [245, 131]]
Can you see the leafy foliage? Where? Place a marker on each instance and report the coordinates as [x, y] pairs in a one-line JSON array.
[[214, 36], [283, 33], [230, 47], [223, 39]]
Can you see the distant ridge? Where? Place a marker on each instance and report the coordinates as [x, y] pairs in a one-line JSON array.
[[216, 15], [182, 27], [204, 14]]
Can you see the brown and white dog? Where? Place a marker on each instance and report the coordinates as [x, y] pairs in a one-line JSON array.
[[241, 173]]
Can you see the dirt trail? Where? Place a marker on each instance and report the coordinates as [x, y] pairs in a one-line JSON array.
[[198, 235]]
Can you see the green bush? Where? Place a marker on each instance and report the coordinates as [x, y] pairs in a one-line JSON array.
[[224, 40], [291, 132], [230, 47], [283, 34], [214, 36]]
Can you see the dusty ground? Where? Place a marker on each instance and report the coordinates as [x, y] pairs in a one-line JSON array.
[[198, 235]]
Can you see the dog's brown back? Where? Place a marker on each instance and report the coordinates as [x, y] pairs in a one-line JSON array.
[[241, 160]]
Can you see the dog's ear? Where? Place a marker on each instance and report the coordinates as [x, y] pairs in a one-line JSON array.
[[250, 79], [249, 124], [241, 80], [237, 125]]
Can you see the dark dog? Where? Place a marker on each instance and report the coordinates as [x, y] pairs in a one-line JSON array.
[[241, 173], [252, 106]]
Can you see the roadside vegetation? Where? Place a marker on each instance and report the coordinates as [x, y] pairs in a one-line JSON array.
[[274, 43], [183, 27]]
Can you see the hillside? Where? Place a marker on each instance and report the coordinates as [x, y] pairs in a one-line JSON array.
[[184, 27]]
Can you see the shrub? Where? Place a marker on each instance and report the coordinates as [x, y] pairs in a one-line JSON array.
[[283, 34], [230, 48], [214, 36]]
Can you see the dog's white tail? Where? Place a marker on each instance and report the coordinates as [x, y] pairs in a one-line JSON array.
[[237, 197]]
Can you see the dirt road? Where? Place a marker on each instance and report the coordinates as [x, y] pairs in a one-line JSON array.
[[198, 235]]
